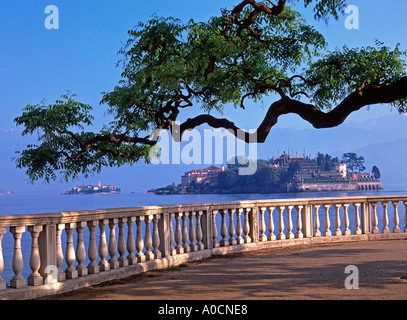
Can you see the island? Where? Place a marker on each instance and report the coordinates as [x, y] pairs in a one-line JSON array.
[[93, 189], [4, 192], [286, 173]]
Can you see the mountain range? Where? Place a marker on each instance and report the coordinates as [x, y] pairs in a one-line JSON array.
[[382, 142]]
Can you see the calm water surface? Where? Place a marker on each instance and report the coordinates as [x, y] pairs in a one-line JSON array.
[[46, 203]]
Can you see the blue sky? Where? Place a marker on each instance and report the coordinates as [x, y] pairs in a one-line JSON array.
[[81, 56]]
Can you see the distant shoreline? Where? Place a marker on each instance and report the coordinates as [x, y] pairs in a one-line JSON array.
[[87, 193]]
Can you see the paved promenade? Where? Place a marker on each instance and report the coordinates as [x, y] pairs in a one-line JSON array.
[[316, 272]]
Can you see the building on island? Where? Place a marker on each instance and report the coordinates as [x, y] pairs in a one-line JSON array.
[[208, 175]]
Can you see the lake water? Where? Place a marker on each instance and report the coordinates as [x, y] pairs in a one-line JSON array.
[[46, 203]]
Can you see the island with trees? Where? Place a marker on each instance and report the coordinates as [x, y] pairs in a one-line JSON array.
[[286, 173], [93, 189]]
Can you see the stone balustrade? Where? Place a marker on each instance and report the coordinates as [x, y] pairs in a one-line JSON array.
[[69, 250]]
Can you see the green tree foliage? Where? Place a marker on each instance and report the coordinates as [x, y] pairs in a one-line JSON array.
[[354, 162], [260, 51], [376, 173]]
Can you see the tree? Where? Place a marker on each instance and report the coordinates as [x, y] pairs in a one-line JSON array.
[[354, 162], [255, 51], [376, 173]]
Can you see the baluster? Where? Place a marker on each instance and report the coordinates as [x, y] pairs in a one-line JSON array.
[[232, 240], [93, 267], [223, 230], [215, 242], [59, 252], [337, 231], [3, 285], [271, 236], [172, 249], [80, 250], [185, 236], [357, 219], [71, 272], [178, 235], [327, 222], [131, 244], [192, 236], [385, 217], [317, 233], [281, 235], [147, 239], [396, 220], [114, 264], [123, 261], [246, 226], [35, 278], [405, 216], [156, 237], [103, 264], [375, 220], [290, 234], [239, 239], [139, 240], [346, 231], [199, 231], [17, 281], [262, 226], [299, 234]]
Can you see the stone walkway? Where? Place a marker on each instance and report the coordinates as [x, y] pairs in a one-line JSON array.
[[316, 272]]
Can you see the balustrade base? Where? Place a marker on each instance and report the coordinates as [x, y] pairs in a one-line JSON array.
[[114, 264], [35, 280], [93, 269], [123, 262], [132, 260], [224, 243], [61, 276], [3, 285], [149, 256], [17, 283], [104, 266], [72, 274], [82, 271], [263, 238]]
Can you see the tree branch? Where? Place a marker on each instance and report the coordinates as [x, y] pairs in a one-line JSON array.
[[319, 119]]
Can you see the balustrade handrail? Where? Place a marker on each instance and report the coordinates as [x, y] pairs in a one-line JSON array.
[[17, 220]]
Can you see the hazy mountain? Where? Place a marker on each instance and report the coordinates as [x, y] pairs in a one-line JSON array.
[[383, 142]]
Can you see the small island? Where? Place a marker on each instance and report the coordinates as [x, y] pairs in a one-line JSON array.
[[287, 173], [93, 189], [4, 192]]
